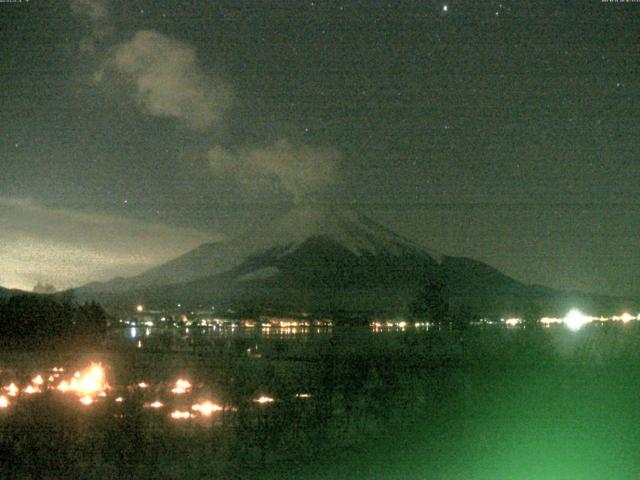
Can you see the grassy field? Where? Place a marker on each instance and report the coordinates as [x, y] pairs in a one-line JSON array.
[[486, 404]]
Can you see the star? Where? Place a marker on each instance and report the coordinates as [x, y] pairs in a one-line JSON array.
[[445, 8]]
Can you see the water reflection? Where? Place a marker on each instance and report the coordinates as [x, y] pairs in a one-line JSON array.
[[177, 337]]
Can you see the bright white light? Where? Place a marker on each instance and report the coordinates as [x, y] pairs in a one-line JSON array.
[[4, 401], [140, 308], [575, 319], [445, 8], [626, 317], [512, 322]]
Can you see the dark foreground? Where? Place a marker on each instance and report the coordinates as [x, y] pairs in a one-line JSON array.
[[490, 404]]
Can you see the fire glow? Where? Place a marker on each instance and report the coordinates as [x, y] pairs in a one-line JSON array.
[[12, 389], [206, 408], [181, 386], [263, 399], [180, 415], [87, 385]]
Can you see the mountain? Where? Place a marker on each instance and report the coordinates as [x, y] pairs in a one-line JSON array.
[[355, 232], [7, 293], [322, 260]]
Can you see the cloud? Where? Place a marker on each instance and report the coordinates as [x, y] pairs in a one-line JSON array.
[[167, 79], [96, 14], [92, 9], [69, 248], [301, 170]]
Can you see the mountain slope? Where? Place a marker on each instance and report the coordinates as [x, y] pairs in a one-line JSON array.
[[354, 232], [326, 261], [7, 293]]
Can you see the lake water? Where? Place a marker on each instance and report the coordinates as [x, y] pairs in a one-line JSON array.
[[328, 403]]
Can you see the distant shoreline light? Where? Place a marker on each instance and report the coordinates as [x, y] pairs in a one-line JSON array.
[[575, 319]]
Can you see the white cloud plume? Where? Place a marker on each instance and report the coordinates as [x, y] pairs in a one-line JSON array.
[[68, 248], [96, 14], [300, 170], [168, 80]]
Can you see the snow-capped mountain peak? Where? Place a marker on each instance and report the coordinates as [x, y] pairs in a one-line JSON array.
[[352, 231]]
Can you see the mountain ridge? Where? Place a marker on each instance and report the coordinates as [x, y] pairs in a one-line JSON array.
[[357, 232], [325, 260]]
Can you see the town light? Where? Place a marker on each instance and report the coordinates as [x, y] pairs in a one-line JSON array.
[[513, 322], [626, 317], [575, 319]]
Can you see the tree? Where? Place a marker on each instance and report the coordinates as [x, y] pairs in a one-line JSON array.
[[29, 319], [432, 302], [531, 313], [461, 317]]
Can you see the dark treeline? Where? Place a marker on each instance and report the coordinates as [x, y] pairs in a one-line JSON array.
[[31, 319]]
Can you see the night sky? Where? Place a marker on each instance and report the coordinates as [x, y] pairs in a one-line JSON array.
[[132, 131]]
